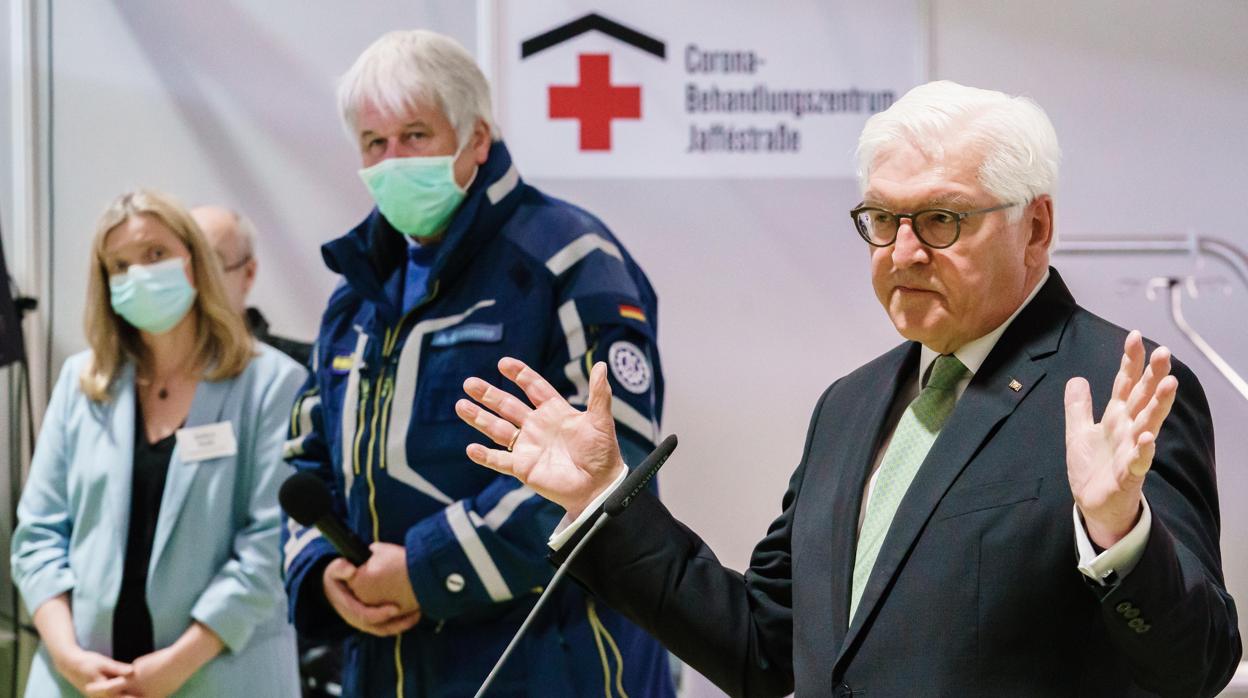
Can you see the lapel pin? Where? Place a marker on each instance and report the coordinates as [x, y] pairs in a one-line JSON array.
[[1015, 385]]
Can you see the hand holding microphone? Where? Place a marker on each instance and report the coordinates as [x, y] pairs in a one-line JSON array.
[[382, 620], [384, 578], [368, 586]]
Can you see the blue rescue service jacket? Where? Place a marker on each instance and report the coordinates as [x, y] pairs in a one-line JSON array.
[[520, 274]]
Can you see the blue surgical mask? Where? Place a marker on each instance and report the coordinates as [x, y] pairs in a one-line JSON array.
[[152, 297], [418, 195]]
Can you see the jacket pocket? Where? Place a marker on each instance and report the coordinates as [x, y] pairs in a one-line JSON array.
[[436, 402], [443, 370], [961, 501]]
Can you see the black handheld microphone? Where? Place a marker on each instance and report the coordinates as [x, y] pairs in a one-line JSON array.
[[306, 499], [615, 503]]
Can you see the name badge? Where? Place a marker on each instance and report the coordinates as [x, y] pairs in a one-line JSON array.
[[468, 332], [209, 441]]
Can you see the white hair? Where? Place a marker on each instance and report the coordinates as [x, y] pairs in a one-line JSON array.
[[1021, 154], [406, 68]]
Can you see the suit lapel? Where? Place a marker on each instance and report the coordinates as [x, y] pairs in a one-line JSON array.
[[849, 479], [207, 407], [1009, 373]]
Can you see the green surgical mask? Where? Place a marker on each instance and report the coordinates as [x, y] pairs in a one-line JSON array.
[[152, 297], [418, 195]]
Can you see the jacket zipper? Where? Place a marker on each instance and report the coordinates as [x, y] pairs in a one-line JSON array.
[[385, 388]]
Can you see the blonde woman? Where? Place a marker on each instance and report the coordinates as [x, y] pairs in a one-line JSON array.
[[147, 543]]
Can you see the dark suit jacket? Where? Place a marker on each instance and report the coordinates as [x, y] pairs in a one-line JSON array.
[[301, 352], [975, 591]]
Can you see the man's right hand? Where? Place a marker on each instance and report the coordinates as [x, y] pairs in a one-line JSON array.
[[563, 454], [383, 620]]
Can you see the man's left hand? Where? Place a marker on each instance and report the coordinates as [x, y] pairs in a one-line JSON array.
[[384, 578], [1106, 462]]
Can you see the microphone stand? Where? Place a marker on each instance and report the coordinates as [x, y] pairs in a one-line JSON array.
[[615, 503], [20, 450], [541, 601]]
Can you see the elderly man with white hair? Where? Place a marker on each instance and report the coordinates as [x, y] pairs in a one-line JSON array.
[[1016, 501], [460, 264]]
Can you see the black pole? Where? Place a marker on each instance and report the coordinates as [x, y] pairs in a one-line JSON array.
[[13, 310]]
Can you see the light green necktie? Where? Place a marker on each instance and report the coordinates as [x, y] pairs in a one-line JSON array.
[[913, 438]]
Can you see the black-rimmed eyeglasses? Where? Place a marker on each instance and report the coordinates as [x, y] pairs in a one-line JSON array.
[[935, 227]]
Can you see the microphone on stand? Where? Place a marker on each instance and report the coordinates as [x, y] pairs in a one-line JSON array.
[[615, 504]]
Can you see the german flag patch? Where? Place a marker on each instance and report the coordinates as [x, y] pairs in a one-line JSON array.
[[632, 312]]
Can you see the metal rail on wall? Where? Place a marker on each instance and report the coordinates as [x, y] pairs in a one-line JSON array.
[[1191, 246]]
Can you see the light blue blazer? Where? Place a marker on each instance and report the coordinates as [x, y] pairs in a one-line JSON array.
[[215, 556]]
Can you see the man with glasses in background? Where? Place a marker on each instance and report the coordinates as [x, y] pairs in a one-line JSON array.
[[233, 237], [1019, 500]]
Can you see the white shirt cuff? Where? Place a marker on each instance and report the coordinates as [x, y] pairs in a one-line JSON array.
[[1121, 557], [566, 529]]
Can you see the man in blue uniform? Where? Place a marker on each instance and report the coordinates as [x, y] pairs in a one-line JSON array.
[[461, 263]]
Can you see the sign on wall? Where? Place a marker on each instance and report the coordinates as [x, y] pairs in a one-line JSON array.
[[700, 88]]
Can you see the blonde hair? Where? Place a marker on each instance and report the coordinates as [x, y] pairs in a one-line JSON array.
[[223, 345]]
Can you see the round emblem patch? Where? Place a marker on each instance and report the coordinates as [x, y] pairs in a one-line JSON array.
[[629, 366]]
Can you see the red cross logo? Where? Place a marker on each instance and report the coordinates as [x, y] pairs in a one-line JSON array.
[[595, 101]]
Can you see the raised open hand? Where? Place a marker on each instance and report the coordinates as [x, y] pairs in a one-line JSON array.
[[1106, 462], [565, 455]]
